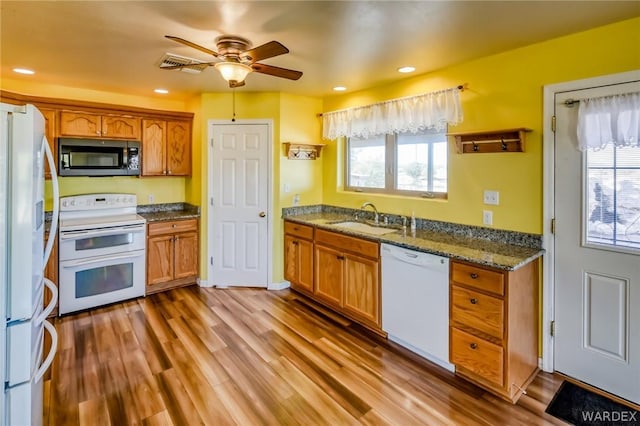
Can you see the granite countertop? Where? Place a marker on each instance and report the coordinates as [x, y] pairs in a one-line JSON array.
[[172, 211], [496, 254]]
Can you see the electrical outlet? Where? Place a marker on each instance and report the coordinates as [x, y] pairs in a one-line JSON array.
[[491, 197], [296, 200], [487, 217], [150, 198]]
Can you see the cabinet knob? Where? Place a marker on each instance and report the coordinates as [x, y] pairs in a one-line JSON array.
[[169, 172], [174, 225], [97, 132], [340, 257], [473, 276], [473, 300], [295, 243], [473, 346], [164, 172], [176, 238]]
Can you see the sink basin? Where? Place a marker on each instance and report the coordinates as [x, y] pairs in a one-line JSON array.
[[363, 227]]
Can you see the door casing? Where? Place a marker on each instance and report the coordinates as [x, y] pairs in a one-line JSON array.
[[548, 209], [270, 190]]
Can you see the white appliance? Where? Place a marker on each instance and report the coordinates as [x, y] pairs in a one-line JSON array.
[[415, 302], [23, 148], [102, 250]]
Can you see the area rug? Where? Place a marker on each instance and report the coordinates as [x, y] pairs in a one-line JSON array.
[[579, 406]]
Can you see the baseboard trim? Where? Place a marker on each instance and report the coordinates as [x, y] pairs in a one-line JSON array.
[[279, 286]]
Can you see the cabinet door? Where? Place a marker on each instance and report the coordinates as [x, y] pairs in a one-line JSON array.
[[361, 288], [50, 132], [160, 263], [179, 148], [298, 267], [186, 255], [121, 127], [153, 147], [80, 124], [329, 264]]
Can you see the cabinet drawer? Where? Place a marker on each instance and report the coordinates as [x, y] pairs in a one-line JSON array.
[[344, 242], [480, 278], [478, 356], [477, 310], [172, 226], [302, 231]]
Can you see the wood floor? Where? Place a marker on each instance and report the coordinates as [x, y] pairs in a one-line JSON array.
[[251, 357]]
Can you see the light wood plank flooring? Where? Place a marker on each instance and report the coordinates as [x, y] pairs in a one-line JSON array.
[[250, 357]]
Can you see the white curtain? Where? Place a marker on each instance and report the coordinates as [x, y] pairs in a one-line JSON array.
[[609, 119], [412, 114]]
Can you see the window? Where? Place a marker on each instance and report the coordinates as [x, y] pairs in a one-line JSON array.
[[402, 163], [613, 197]]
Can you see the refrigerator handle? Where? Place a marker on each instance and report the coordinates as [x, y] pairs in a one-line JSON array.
[[52, 303], [52, 351], [56, 199]]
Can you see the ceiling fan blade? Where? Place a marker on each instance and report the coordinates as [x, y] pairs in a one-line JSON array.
[[193, 65], [276, 71], [267, 50], [195, 46], [233, 84]]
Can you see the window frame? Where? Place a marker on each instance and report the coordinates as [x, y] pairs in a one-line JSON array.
[[391, 171]]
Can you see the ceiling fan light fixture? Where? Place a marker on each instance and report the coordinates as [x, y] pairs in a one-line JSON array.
[[406, 69], [233, 71]]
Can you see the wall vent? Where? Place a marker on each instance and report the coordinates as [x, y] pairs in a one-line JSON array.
[[195, 66]]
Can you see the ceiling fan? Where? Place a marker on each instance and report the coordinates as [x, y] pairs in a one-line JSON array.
[[236, 58]]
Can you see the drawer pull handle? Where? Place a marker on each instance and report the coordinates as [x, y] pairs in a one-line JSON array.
[[473, 275], [473, 301], [174, 225], [473, 346], [296, 228], [340, 257]]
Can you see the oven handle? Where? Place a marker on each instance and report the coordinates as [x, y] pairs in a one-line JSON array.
[[77, 235], [67, 265]]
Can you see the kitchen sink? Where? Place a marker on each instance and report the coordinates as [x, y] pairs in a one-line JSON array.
[[364, 228]]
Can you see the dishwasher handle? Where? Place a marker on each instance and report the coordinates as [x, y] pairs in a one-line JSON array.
[[413, 257]]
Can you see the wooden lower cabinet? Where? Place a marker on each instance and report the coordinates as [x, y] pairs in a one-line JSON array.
[[172, 254], [346, 273], [494, 326], [298, 253]]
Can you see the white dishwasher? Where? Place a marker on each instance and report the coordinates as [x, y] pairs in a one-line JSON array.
[[415, 302]]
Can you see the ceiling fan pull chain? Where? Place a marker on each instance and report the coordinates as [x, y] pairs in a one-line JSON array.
[[233, 91]]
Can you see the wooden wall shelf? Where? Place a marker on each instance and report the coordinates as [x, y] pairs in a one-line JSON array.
[[302, 151], [509, 140]]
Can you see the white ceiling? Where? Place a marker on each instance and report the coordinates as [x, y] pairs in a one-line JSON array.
[[117, 45]]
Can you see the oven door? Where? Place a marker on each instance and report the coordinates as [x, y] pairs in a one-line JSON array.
[[96, 281], [101, 242]]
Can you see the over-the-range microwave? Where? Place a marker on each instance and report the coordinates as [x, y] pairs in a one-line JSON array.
[[96, 157]]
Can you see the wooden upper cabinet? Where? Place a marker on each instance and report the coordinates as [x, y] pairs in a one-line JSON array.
[[154, 134], [85, 124], [179, 148], [50, 131], [166, 148]]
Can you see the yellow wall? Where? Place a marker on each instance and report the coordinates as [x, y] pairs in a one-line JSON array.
[[504, 91]]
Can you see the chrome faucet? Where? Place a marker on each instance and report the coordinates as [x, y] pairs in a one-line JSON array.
[[375, 211]]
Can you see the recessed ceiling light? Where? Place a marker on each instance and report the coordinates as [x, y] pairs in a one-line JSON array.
[[161, 91], [339, 88], [24, 71], [406, 69]]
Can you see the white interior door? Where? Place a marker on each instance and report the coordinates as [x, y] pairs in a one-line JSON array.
[[239, 219], [597, 255]]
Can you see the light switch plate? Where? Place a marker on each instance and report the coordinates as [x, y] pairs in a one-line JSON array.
[[491, 197]]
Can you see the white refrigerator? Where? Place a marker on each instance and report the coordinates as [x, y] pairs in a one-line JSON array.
[[23, 256]]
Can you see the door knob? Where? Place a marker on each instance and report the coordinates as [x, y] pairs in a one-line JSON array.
[[262, 214]]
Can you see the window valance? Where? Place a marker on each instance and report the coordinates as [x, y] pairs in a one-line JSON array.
[[609, 119], [411, 114]]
